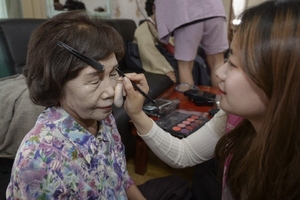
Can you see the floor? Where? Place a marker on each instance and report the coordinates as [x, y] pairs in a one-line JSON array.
[[157, 168]]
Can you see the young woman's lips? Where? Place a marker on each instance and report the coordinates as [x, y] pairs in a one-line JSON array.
[[222, 92]]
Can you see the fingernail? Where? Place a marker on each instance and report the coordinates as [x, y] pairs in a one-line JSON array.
[[126, 79]]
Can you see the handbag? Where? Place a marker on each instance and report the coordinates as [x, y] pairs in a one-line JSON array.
[[199, 71], [132, 57]]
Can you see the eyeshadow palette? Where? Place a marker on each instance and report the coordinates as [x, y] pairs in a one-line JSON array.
[[182, 123]]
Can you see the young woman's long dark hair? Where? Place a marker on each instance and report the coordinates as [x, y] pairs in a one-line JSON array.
[[265, 164]]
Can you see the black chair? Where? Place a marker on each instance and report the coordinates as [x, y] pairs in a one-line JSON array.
[[14, 38]]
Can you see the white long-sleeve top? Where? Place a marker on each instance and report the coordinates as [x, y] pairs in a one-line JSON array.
[[196, 148]]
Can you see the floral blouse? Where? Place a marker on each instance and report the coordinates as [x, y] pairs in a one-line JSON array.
[[59, 159]]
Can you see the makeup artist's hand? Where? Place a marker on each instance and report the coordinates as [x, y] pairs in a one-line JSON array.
[[134, 100]]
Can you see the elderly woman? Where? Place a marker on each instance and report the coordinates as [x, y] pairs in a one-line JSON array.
[[74, 151]]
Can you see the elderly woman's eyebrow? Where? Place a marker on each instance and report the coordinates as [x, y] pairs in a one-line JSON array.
[[112, 69], [92, 74], [116, 66], [96, 73]]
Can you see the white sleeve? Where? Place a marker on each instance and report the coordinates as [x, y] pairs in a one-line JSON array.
[[194, 149]]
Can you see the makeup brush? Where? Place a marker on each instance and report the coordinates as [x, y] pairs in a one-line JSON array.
[[137, 88]]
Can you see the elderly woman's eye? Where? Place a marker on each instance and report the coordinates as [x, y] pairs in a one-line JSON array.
[[114, 74], [95, 82]]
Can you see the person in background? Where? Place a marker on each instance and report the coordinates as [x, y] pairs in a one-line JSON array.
[[18, 115], [74, 5], [193, 23], [145, 36], [58, 5], [157, 57], [74, 151], [260, 83]]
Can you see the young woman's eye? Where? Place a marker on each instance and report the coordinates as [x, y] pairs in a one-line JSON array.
[[230, 63]]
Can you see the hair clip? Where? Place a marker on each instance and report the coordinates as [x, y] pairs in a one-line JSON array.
[[82, 57]]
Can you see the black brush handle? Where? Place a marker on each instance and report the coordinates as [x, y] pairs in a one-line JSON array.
[[136, 87]]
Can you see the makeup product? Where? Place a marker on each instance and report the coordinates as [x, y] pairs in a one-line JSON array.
[[181, 123], [161, 107], [200, 98], [137, 88], [82, 57]]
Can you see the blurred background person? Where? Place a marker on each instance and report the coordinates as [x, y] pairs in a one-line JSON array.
[[157, 57], [193, 23], [74, 5]]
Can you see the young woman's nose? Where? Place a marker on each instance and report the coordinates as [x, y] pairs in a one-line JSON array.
[[221, 71]]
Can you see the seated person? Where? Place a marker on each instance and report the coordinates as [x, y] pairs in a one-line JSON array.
[[74, 150], [17, 116], [74, 5], [145, 37], [260, 157]]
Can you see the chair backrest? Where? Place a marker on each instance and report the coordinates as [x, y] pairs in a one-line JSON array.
[[14, 38], [125, 27], [15, 35]]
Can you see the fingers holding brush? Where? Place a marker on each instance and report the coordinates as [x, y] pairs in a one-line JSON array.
[[118, 98], [138, 83], [134, 98]]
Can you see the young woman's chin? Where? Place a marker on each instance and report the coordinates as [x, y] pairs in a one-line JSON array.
[[225, 106]]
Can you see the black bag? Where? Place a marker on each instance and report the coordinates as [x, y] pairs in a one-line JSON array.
[[133, 62], [199, 72], [132, 57]]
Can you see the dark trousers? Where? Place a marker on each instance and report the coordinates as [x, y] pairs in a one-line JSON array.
[[5, 172], [166, 188], [206, 184]]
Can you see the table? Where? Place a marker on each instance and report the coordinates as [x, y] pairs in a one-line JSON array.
[[141, 149]]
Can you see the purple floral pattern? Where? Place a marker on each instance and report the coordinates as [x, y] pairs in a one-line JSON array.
[[59, 159]]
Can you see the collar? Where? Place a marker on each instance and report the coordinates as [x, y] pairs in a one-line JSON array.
[[151, 20], [85, 142]]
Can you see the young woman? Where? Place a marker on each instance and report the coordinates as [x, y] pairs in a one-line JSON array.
[[260, 82]]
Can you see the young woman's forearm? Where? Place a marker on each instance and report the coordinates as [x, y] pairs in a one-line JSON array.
[[196, 148], [142, 123]]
